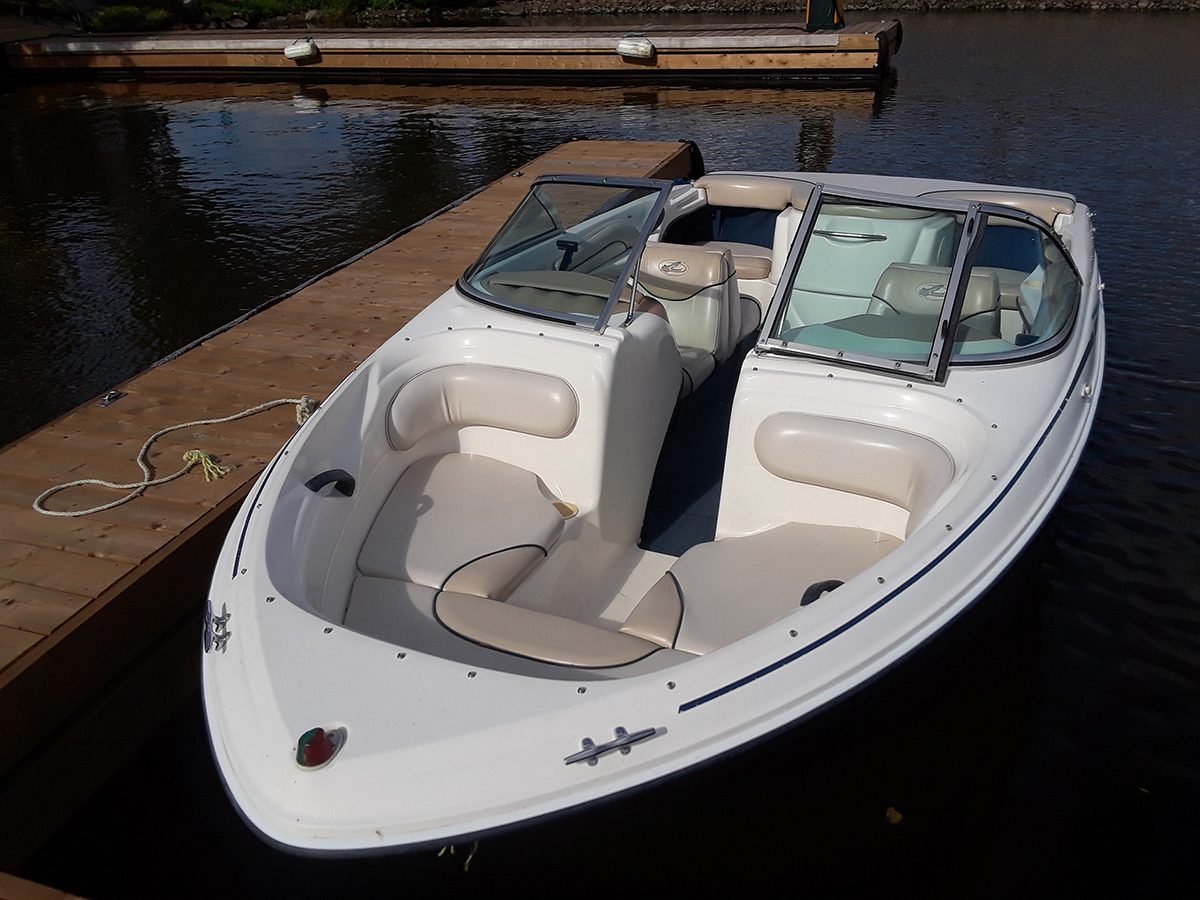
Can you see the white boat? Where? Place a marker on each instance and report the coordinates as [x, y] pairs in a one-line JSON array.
[[432, 618]]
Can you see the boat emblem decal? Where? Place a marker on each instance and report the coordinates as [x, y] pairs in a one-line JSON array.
[[932, 291], [622, 740], [673, 267], [216, 628]]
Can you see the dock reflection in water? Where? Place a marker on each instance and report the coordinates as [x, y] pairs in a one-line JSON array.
[[140, 216], [1049, 743]]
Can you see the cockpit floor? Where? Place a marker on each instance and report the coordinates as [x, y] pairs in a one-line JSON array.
[[686, 491]]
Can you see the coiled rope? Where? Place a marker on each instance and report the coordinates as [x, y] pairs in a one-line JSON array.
[[305, 407]]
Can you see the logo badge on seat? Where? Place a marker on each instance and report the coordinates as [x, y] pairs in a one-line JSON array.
[[676, 267], [932, 291]]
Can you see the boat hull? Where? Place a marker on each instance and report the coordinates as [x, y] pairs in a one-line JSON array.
[[441, 746]]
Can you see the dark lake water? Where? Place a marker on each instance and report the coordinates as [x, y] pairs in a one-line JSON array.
[[1048, 744]]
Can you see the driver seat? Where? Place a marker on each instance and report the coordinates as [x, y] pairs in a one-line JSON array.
[[699, 290]]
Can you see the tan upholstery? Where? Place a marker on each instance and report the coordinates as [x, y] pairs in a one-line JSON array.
[[1010, 284], [754, 191], [909, 288], [894, 466], [657, 616], [537, 635], [449, 511], [752, 314], [699, 291], [678, 272], [734, 587], [697, 365], [1046, 207], [495, 575], [750, 260], [477, 394], [787, 197]]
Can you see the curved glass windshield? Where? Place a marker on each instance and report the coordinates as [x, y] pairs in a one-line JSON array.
[[872, 280], [871, 286], [567, 249], [1036, 286]]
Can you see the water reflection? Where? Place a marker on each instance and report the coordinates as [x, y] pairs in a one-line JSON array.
[[814, 145], [137, 217]]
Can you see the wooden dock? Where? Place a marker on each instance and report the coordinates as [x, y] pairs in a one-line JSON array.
[[659, 54], [100, 615]]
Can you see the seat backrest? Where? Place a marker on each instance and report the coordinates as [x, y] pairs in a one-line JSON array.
[[754, 191], [699, 290], [862, 458], [788, 197], [909, 288], [479, 394]]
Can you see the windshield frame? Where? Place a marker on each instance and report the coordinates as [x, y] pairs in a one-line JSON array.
[[936, 366], [596, 323]]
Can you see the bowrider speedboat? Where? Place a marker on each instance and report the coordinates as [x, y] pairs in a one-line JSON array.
[[433, 617]]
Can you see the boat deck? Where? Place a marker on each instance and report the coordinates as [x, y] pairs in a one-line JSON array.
[[99, 615], [743, 54]]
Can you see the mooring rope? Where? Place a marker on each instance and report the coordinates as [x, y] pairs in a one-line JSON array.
[[305, 407]]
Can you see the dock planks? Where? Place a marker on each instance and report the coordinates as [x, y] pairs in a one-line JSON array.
[[747, 54], [13, 888], [87, 605]]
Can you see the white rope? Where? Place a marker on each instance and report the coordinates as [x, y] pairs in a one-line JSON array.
[[305, 407]]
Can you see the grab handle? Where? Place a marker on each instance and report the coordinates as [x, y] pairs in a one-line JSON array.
[[343, 481], [850, 235], [815, 590]]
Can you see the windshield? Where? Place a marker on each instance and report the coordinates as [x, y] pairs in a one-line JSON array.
[[871, 283], [1037, 286], [567, 250], [872, 280]]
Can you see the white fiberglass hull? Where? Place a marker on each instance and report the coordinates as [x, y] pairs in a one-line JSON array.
[[438, 746]]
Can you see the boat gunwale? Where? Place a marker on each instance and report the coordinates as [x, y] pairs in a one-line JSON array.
[[780, 717], [925, 570]]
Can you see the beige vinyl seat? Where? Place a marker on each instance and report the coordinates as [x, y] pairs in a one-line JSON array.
[[907, 288], [533, 634], [732, 587], [698, 289], [462, 522], [459, 532], [897, 467], [788, 198]]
